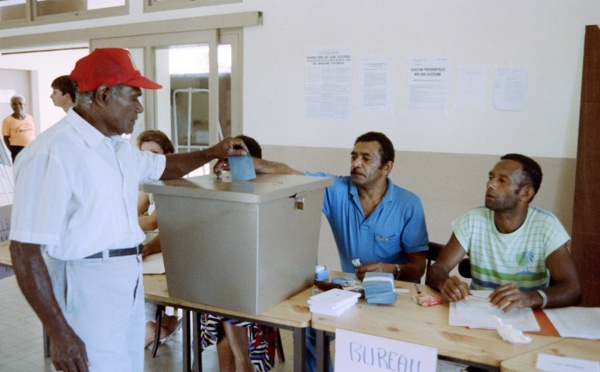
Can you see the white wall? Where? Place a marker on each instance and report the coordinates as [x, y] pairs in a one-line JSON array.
[[544, 36], [46, 66]]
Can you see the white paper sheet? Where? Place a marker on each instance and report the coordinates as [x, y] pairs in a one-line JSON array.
[[546, 362], [153, 264], [477, 312], [471, 91], [510, 91], [328, 82], [428, 84], [376, 85], [579, 322]]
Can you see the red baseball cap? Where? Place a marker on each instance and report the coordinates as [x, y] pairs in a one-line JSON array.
[[109, 66]]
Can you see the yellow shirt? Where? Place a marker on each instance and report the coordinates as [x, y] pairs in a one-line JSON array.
[[20, 132]]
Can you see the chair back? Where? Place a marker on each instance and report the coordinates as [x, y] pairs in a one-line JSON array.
[[433, 254], [464, 268]]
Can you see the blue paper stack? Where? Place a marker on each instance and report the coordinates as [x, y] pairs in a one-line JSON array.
[[379, 288]]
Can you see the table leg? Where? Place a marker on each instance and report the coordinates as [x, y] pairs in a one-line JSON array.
[[322, 351], [187, 365], [197, 343], [299, 335]]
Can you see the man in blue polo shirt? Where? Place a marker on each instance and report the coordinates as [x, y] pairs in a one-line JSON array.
[[370, 217]]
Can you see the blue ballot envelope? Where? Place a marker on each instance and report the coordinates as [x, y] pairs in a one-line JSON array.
[[242, 168]]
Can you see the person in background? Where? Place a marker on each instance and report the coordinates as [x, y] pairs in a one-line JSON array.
[[18, 129], [156, 142], [76, 190], [241, 346], [371, 218], [63, 92], [514, 249]]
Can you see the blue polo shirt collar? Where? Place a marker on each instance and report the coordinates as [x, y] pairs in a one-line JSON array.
[[388, 197]]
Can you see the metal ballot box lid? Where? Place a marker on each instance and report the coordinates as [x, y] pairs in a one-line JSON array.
[[265, 187], [240, 245]]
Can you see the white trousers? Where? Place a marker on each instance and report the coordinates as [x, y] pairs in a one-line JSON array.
[[103, 301]]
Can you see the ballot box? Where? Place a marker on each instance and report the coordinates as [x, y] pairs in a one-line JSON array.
[[240, 245]]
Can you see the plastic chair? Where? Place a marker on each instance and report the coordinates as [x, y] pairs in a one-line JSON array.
[[432, 254], [464, 268]]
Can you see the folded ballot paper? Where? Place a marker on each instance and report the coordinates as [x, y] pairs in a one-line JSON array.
[[333, 302], [379, 288], [242, 168]]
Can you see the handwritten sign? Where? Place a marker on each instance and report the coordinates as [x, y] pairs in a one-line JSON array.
[[361, 352]]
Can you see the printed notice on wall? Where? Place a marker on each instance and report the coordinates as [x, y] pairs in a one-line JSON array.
[[362, 352], [428, 84], [471, 91], [510, 90], [328, 81], [375, 86]]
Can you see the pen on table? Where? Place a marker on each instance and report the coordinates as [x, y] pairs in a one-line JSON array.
[[417, 288]]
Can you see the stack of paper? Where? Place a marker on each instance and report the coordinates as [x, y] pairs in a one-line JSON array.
[[579, 322], [476, 312], [333, 302], [379, 288]]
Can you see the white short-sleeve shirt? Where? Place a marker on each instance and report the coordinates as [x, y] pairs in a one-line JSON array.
[[76, 190]]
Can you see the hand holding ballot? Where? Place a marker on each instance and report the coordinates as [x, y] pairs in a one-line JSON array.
[[241, 167]]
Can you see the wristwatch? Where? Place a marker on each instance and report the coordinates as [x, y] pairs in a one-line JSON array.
[[397, 271]]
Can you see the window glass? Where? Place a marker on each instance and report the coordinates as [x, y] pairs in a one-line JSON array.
[[11, 10], [188, 81], [49, 7], [23, 13]]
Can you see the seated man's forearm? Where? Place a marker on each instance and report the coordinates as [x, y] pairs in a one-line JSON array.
[[410, 273], [436, 276], [562, 295], [270, 167]]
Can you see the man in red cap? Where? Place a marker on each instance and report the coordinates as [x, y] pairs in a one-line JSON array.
[[75, 200]]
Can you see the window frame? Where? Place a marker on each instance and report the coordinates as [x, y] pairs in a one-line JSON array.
[[32, 19], [162, 5]]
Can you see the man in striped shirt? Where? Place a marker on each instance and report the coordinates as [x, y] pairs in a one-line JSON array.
[[514, 248]]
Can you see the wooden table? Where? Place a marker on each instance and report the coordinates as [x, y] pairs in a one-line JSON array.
[[566, 347], [293, 314], [428, 326]]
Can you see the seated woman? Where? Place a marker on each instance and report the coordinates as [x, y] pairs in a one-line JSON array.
[[241, 346], [157, 142]]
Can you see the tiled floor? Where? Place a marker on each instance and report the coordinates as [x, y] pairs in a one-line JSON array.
[[21, 346]]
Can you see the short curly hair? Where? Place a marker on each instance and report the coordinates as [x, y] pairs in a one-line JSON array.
[[387, 147], [531, 169], [153, 135]]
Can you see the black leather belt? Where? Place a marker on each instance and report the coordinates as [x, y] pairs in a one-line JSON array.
[[119, 252]]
